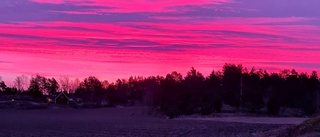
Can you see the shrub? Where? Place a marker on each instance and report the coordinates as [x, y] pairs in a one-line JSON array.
[[273, 106]]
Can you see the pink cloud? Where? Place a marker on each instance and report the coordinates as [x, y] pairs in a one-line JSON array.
[[136, 5], [47, 48], [173, 34], [76, 12]]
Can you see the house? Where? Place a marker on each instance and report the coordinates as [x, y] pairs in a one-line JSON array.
[[59, 98]]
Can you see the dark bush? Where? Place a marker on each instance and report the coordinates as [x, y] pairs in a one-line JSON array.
[[273, 106], [217, 105], [309, 104]]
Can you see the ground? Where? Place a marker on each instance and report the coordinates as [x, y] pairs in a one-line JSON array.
[[118, 122]]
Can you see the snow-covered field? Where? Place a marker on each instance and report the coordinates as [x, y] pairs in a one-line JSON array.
[[121, 122]]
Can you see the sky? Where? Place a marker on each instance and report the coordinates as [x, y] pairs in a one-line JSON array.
[[113, 39]]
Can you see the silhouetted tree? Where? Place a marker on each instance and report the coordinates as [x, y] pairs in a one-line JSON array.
[[273, 106], [65, 83], [74, 85], [91, 90], [252, 97], [273, 84], [152, 92], [195, 94], [171, 100], [175, 95], [309, 86], [21, 83], [52, 86], [136, 89], [231, 83], [111, 93], [3, 86], [7, 90], [214, 90], [122, 87], [38, 86]]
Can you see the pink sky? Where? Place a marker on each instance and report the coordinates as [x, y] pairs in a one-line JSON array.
[[117, 39]]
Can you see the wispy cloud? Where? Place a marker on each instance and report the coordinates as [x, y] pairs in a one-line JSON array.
[[141, 37]]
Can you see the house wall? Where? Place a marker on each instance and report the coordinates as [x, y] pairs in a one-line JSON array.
[[62, 100]]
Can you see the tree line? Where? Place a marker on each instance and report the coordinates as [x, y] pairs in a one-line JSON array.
[[175, 95]]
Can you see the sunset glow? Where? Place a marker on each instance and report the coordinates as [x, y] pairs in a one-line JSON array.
[[114, 39]]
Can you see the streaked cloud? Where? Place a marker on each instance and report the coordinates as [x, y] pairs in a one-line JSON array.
[[113, 38]]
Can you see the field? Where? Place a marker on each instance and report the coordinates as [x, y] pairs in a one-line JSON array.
[[118, 122]]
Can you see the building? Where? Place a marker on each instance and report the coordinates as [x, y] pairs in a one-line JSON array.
[[58, 98], [61, 99]]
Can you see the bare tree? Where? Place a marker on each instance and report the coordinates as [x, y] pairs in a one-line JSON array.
[[2, 85], [105, 84], [64, 83], [74, 85], [21, 83]]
